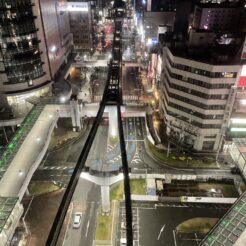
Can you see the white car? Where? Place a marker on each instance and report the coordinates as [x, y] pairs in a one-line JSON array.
[[77, 220]]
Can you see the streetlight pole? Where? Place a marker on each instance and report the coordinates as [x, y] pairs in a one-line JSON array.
[[5, 134], [23, 218], [219, 147]]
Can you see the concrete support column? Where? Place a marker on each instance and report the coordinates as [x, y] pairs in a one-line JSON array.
[[105, 198], [5, 134], [198, 142], [113, 122], [74, 107], [13, 128], [27, 192]]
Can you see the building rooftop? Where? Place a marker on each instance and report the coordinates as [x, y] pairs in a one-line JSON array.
[[216, 55], [219, 5]]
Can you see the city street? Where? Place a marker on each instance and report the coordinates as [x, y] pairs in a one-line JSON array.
[[86, 199], [58, 165], [170, 217]]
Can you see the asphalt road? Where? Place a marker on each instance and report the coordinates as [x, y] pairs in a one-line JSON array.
[[157, 224], [97, 154], [98, 85], [86, 200], [131, 83], [58, 165]]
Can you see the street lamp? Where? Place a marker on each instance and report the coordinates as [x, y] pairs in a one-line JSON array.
[[62, 99]]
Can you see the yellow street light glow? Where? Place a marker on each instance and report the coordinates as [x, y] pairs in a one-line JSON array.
[[156, 94]]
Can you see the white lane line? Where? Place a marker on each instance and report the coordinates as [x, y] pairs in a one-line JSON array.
[[161, 230], [196, 239], [113, 224], [174, 238], [68, 223], [87, 228], [134, 140]]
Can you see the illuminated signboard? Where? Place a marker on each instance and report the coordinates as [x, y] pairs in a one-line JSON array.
[[77, 6], [243, 56], [73, 6], [242, 79]]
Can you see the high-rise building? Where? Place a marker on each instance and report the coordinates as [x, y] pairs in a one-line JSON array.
[[34, 43], [156, 23], [197, 94], [216, 17], [81, 25], [55, 18], [161, 5]]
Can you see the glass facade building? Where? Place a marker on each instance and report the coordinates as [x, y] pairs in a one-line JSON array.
[[20, 52]]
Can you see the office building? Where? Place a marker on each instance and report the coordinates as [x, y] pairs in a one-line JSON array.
[[216, 17], [156, 23], [197, 94], [80, 14], [161, 5]]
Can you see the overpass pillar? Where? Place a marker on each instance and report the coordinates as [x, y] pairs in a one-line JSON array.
[[74, 107], [113, 122], [105, 198]]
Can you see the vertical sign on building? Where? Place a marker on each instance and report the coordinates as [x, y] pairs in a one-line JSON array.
[[149, 2], [243, 56], [242, 78]]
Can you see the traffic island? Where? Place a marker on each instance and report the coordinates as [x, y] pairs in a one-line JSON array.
[[40, 188], [199, 224], [194, 229], [106, 228], [179, 160]]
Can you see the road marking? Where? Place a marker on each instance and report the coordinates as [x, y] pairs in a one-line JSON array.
[[161, 230], [139, 140], [113, 219], [196, 239], [174, 238], [87, 228], [68, 223]]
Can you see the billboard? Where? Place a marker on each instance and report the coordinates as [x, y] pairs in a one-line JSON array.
[[242, 78], [73, 6]]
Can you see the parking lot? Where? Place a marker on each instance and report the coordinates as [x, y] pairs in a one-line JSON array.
[[155, 224], [122, 225]]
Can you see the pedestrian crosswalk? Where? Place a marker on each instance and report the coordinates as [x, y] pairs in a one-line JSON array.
[[55, 168], [136, 158], [110, 148], [117, 158]]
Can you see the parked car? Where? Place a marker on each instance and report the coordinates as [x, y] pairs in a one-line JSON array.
[[77, 219]]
